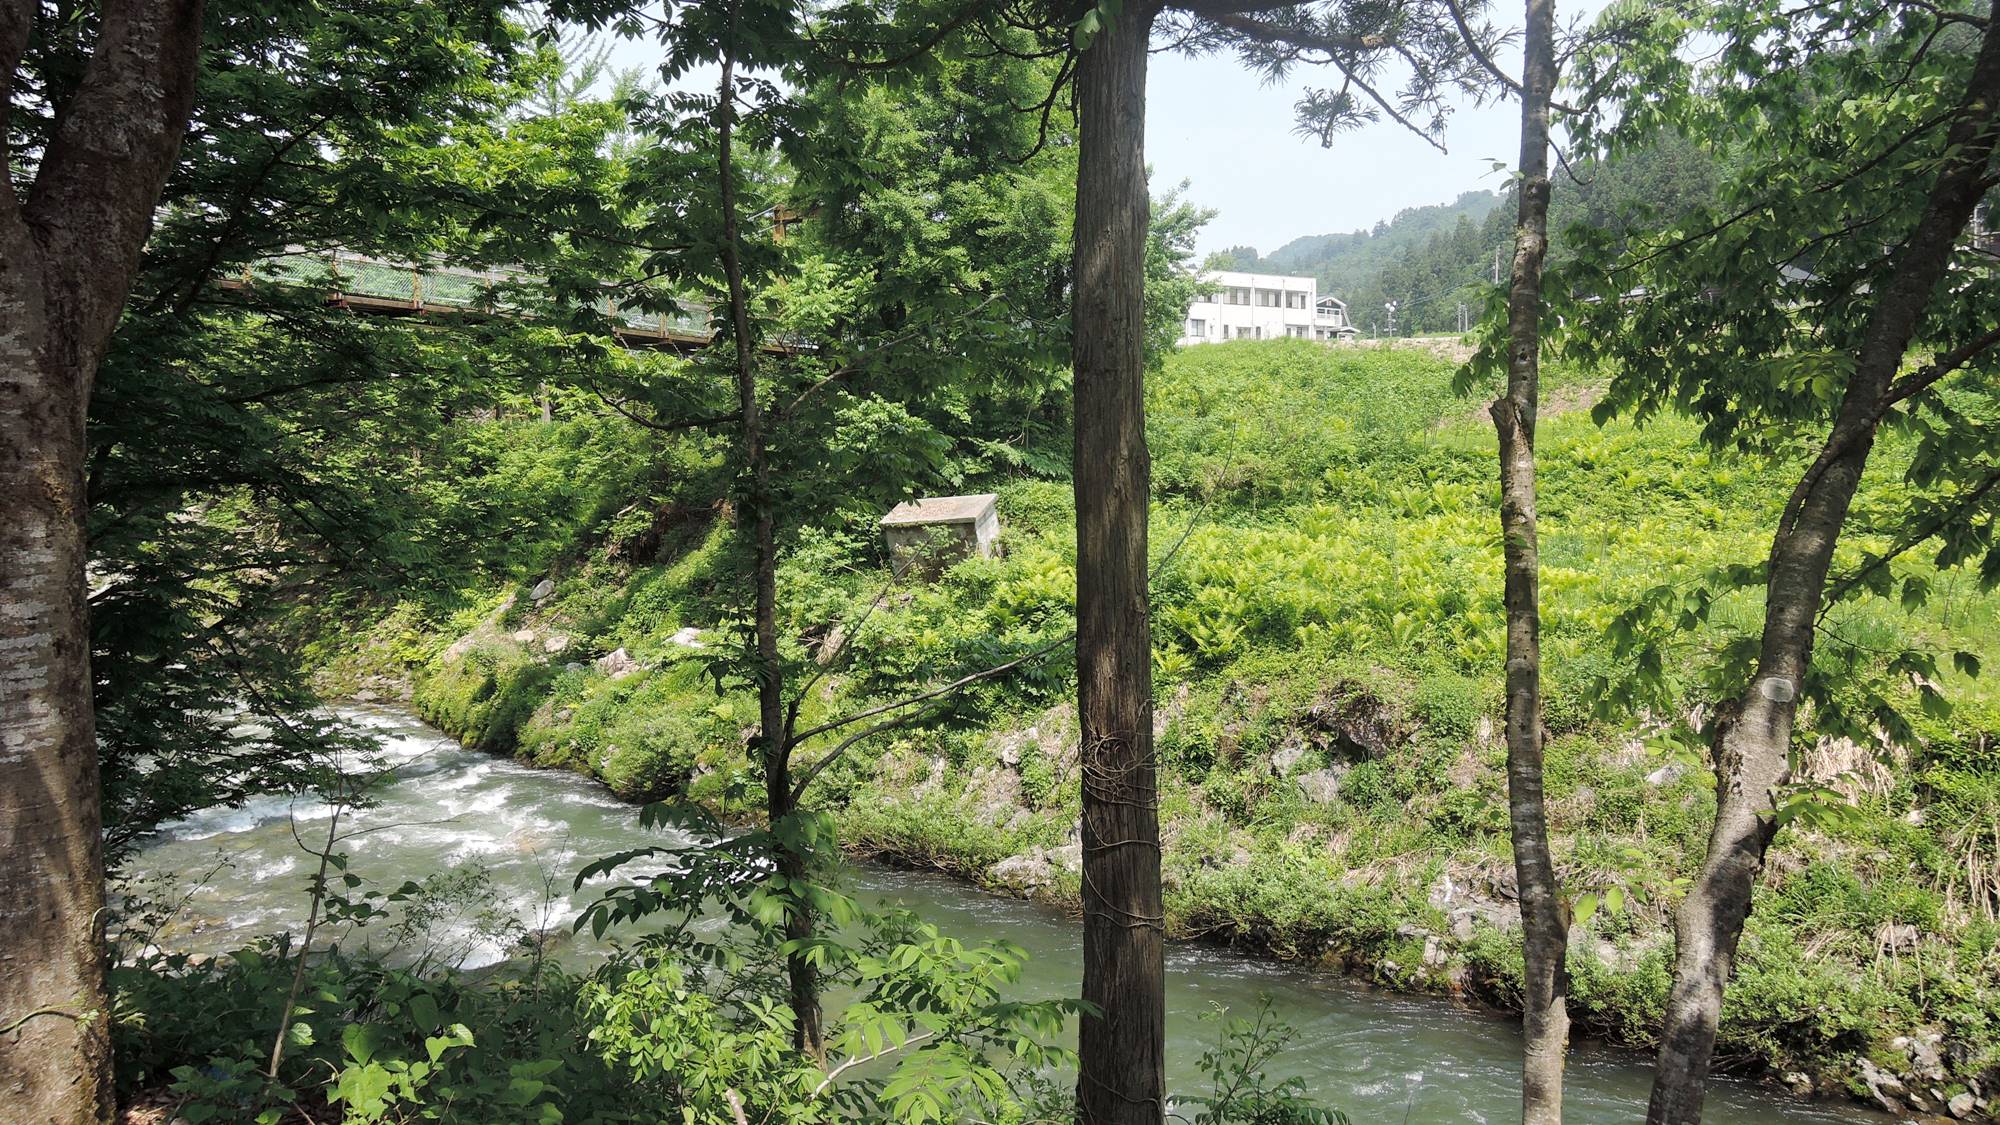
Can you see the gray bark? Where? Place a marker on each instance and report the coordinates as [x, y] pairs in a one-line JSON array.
[[1752, 743], [68, 252], [773, 737], [1544, 928], [1122, 1075]]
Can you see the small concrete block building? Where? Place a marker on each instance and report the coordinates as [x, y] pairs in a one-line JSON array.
[[971, 524]]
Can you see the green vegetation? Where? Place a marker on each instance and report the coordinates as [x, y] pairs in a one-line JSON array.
[[1326, 584]]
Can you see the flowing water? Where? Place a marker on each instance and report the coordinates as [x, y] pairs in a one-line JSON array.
[[238, 873]]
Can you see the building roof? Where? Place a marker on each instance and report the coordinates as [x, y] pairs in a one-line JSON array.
[[1239, 279], [941, 509]]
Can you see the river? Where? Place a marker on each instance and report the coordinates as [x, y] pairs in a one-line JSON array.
[[1379, 1057]]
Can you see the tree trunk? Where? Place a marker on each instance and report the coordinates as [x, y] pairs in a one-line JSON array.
[[1752, 743], [1122, 1076], [67, 257], [772, 736], [1544, 930]]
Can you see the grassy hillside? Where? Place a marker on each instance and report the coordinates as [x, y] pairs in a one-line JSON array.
[[1328, 636]]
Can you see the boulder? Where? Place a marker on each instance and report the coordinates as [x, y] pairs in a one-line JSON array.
[[687, 637], [555, 644], [1069, 857], [1962, 1106], [1467, 917], [524, 636], [617, 664], [1024, 874], [1665, 775], [1035, 869], [1885, 1088], [542, 590], [1286, 758], [1321, 787]]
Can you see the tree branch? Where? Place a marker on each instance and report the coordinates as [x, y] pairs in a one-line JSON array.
[[962, 681]]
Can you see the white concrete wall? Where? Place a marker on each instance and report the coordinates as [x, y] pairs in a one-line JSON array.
[[1253, 306]]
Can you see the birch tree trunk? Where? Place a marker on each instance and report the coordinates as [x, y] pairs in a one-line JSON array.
[[1752, 739], [68, 252], [1544, 929], [1122, 1075]]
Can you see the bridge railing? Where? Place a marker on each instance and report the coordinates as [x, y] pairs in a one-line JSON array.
[[441, 287]]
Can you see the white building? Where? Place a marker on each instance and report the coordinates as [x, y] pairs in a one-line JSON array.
[[1263, 306]]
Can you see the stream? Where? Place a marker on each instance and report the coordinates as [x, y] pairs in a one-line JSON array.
[[1379, 1057]]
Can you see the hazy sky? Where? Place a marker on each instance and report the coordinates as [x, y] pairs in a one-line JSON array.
[[1216, 125]]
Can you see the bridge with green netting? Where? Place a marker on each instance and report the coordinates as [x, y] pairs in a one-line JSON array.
[[377, 286]]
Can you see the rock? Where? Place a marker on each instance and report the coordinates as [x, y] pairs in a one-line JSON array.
[[1484, 731], [1962, 1105], [458, 648], [995, 792], [1069, 857], [524, 636], [1665, 775], [1023, 873], [555, 644], [1320, 786], [1926, 1061], [1010, 755], [1434, 954], [689, 637], [1286, 758], [572, 666], [1798, 1082], [1467, 917], [617, 664], [1885, 1088], [1914, 818], [542, 590]]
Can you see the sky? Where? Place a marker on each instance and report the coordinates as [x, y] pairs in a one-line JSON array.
[[1219, 127]]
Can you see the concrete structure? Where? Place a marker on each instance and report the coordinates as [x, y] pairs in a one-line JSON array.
[[1264, 306], [968, 525]]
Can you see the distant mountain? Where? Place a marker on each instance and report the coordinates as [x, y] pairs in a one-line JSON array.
[[1437, 263], [1345, 263]]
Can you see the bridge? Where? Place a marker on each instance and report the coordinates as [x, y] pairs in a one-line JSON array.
[[379, 287]]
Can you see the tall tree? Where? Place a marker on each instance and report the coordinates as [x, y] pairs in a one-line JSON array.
[[69, 246], [1544, 924], [1121, 1076], [1123, 1040], [1786, 318]]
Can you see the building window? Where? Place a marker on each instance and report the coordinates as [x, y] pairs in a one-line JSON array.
[[1197, 328]]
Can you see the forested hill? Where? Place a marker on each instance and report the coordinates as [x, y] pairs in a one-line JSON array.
[[1434, 259], [1344, 262]]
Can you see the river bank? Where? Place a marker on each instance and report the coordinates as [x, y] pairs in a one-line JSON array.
[[1440, 931], [1379, 1056]]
